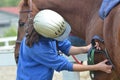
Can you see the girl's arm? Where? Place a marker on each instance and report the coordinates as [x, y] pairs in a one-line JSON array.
[[100, 66], [77, 50]]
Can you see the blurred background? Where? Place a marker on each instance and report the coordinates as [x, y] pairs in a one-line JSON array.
[[8, 17], [9, 14], [8, 32]]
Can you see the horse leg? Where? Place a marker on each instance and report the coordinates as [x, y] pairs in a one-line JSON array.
[[112, 39]]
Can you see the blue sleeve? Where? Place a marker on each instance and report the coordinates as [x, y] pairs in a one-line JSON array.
[[64, 46], [48, 57]]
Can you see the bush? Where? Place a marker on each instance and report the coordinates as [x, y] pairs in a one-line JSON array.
[[9, 3], [12, 31]]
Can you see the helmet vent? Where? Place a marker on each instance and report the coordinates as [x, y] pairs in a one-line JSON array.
[[60, 28], [56, 33], [59, 31]]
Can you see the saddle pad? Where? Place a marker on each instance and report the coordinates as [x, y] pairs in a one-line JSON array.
[[106, 7]]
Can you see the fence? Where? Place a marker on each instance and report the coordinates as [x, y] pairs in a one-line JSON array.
[[7, 44]]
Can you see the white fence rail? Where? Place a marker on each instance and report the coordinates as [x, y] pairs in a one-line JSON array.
[[6, 47], [7, 51]]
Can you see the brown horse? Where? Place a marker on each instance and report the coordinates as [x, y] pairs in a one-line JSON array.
[[83, 17]]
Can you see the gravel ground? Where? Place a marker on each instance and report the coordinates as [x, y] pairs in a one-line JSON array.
[[9, 73]]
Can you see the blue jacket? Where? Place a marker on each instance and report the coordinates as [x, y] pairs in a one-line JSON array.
[[39, 61]]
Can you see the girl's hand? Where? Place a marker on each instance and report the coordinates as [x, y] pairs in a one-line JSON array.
[[102, 66], [97, 45]]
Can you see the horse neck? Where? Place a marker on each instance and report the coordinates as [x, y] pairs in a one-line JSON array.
[[76, 12]]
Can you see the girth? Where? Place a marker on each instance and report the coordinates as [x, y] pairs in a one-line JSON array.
[[93, 51]]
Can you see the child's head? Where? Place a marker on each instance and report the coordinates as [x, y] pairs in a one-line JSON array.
[[50, 24]]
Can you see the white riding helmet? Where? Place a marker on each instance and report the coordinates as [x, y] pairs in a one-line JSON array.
[[50, 24]]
